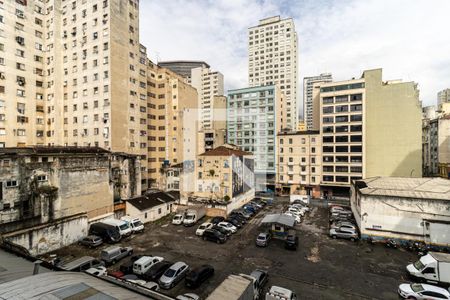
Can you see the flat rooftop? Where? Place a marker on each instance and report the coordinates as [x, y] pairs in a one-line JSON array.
[[418, 188], [14, 267]]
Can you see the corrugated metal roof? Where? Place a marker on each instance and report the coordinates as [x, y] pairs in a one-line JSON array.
[[419, 188], [279, 219], [53, 285], [231, 288], [13, 267]]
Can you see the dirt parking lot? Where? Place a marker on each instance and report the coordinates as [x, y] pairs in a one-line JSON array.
[[321, 268]]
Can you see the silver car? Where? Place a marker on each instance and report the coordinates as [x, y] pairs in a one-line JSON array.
[[173, 275], [344, 233], [343, 224]]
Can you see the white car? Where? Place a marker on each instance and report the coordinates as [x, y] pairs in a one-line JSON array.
[[296, 211], [188, 296], [97, 271], [334, 209], [421, 291], [202, 228], [227, 226], [178, 219], [297, 218], [301, 209], [137, 281], [305, 208]]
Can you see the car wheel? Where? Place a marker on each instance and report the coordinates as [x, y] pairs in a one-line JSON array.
[[334, 237]]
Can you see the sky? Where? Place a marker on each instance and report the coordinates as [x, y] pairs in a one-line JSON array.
[[409, 39]]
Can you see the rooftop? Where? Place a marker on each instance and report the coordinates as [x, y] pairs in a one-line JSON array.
[[306, 132], [419, 188], [153, 199], [52, 150], [13, 267], [226, 150], [279, 219]]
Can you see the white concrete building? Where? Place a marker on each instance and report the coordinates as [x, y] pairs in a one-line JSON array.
[[273, 59], [152, 206], [415, 209]]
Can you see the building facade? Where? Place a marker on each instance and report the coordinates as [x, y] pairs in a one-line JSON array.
[[311, 99], [59, 61], [183, 67], [215, 135], [48, 195], [436, 146], [405, 209], [254, 117], [363, 133], [299, 162], [273, 60], [444, 96], [170, 99]]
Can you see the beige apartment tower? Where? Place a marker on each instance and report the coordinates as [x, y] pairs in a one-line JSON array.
[[73, 74], [369, 128], [170, 101], [273, 60], [299, 162]]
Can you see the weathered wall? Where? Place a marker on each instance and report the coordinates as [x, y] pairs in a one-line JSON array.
[[401, 218], [51, 236]]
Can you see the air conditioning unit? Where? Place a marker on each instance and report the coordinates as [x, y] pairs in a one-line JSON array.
[[20, 14]]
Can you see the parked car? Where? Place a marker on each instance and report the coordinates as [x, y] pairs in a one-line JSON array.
[[421, 291], [298, 219], [156, 270], [241, 213], [135, 224], [81, 264], [173, 275], [188, 296], [296, 211], [178, 219], [214, 236], [91, 241], [97, 271], [194, 278], [153, 286], [336, 208], [301, 206], [216, 220], [144, 263], [113, 254], [262, 240], [343, 224], [108, 233], [347, 213], [239, 217], [337, 218], [291, 241], [235, 222], [222, 230], [228, 226], [203, 227], [127, 268], [261, 278], [344, 233], [117, 274], [277, 292], [249, 208], [257, 204]]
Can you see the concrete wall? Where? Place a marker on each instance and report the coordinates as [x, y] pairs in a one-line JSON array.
[[151, 214], [402, 218], [51, 236], [392, 128]]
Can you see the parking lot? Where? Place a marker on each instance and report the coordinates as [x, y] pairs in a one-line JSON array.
[[321, 268]]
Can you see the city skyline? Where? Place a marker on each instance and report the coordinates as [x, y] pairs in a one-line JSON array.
[[408, 50]]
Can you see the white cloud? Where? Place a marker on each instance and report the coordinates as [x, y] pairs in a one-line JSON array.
[[408, 39]]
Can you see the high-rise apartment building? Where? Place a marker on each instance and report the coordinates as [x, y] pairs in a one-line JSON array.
[[215, 135], [253, 120], [72, 73], [273, 59], [299, 162], [170, 99], [311, 99], [444, 96], [369, 128], [183, 67]]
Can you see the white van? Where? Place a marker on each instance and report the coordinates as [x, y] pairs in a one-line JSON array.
[[123, 227], [144, 263], [135, 223], [280, 293]]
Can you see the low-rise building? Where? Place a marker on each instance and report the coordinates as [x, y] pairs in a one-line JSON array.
[[151, 206], [48, 195], [223, 176], [299, 162], [414, 209]]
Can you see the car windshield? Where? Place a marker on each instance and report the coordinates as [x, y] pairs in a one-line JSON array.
[[417, 287], [137, 223], [261, 237], [177, 217], [419, 265], [188, 217], [202, 227], [170, 273], [124, 226]]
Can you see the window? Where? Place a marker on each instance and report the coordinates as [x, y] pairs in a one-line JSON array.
[[356, 118], [11, 183]]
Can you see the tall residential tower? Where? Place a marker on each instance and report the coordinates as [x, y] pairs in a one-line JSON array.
[[311, 101], [273, 60]]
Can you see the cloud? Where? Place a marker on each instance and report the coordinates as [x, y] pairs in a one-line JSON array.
[[408, 39]]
